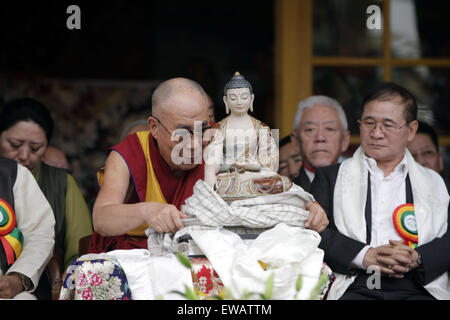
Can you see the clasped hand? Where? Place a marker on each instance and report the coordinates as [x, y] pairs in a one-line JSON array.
[[317, 219], [394, 259]]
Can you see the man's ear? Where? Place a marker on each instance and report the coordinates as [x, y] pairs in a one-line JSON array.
[[153, 127], [413, 126], [251, 103]]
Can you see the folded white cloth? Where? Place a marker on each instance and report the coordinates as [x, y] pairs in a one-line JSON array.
[[153, 276], [258, 212]]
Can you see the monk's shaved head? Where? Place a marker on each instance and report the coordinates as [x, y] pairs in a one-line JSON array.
[[168, 89], [179, 106]]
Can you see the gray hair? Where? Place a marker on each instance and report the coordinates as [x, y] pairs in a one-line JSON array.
[[320, 100]]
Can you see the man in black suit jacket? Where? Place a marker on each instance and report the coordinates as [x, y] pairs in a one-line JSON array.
[[320, 131], [360, 241]]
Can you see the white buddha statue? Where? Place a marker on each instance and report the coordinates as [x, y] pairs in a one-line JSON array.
[[242, 159]]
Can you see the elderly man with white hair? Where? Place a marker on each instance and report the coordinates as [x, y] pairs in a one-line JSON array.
[[321, 132]]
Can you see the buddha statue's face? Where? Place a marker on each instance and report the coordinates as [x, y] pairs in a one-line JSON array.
[[238, 101]]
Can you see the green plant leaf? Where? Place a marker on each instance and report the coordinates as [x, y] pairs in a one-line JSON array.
[[184, 260], [191, 295], [316, 291], [245, 295], [269, 287], [298, 285], [178, 292], [227, 295]]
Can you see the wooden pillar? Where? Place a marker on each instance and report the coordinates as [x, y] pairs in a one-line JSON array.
[[293, 59]]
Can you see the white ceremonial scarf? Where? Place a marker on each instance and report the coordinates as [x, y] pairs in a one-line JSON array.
[[431, 201], [258, 212]]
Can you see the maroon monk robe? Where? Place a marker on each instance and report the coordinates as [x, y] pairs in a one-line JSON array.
[[175, 190]]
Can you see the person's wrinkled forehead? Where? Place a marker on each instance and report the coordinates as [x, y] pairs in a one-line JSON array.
[[321, 114]]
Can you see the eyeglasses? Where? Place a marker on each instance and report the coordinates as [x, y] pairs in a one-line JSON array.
[[182, 131], [386, 126]]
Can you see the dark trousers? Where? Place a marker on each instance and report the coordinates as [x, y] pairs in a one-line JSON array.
[[407, 288]]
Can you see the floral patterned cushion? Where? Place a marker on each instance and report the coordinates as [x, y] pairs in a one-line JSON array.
[[98, 279]]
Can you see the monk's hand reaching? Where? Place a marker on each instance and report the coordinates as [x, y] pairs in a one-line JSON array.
[[317, 219], [164, 218]]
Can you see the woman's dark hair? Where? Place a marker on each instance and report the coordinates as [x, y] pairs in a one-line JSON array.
[[390, 90], [26, 109]]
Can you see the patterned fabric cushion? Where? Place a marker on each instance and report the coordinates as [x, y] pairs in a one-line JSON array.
[[98, 279]]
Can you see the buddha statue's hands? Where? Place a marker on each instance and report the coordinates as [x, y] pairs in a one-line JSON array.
[[246, 164]]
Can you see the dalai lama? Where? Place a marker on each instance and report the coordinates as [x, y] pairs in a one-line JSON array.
[[142, 184]]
